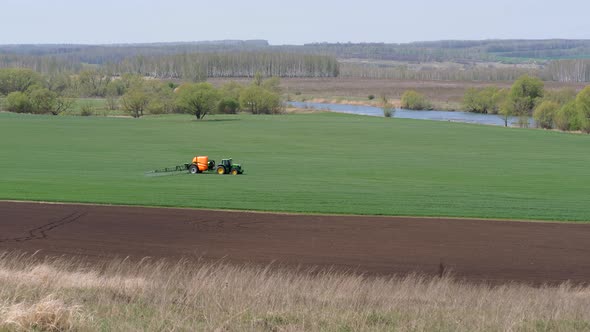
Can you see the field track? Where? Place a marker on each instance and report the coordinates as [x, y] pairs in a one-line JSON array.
[[495, 251]]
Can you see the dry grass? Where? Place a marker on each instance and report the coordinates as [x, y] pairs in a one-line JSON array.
[[65, 294], [48, 314]]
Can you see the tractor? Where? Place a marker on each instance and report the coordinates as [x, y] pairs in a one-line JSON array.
[[202, 164], [228, 167]]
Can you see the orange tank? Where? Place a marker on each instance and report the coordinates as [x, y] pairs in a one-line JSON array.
[[202, 162]]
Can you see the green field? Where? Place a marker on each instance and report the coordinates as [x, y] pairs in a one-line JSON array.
[[324, 162]]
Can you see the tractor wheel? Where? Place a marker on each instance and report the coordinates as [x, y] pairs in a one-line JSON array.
[[234, 172], [220, 170], [193, 169]]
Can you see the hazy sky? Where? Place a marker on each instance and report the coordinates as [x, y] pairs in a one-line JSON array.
[[289, 22]]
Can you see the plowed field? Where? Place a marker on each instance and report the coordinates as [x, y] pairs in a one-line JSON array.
[[495, 251]]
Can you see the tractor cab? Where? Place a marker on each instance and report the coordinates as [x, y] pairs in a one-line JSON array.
[[226, 163]]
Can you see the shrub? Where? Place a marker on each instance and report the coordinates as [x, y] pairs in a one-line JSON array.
[[545, 113], [415, 101], [371, 97], [524, 95], [18, 79], [386, 107], [111, 102], [135, 100], [18, 102], [43, 100], [567, 117], [484, 101], [561, 97], [228, 105], [156, 106], [86, 109], [260, 101], [583, 107]]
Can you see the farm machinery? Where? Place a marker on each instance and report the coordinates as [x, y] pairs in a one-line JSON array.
[[202, 164]]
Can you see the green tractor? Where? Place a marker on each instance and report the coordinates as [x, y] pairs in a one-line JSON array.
[[227, 167], [202, 164]]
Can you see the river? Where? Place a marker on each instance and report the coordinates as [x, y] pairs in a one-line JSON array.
[[467, 117]]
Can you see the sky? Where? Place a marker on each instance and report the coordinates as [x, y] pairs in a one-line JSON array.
[[288, 22]]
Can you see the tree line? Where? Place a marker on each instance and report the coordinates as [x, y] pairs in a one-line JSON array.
[[549, 59], [261, 96], [577, 70], [454, 73], [199, 66], [510, 51], [564, 109], [27, 91]]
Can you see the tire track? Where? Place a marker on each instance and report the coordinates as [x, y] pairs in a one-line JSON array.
[[39, 233]]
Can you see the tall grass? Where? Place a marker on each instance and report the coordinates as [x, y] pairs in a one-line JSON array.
[[63, 294]]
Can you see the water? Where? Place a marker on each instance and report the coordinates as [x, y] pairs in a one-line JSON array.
[[487, 119]]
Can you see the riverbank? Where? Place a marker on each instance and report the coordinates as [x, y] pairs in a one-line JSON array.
[[444, 95], [435, 115]]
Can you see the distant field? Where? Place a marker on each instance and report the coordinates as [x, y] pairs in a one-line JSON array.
[[325, 163]]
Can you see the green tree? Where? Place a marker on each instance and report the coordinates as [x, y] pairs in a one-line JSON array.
[[198, 99], [63, 104], [524, 95], [561, 96], [18, 102], [544, 114], [484, 101], [568, 117], [93, 83], [161, 98], [498, 100], [228, 105], [231, 90], [115, 88], [230, 98], [43, 100], [18, 79], [415, 101], [583, 106], [250, 98], [505, 111], [59, 82], [260, 101], [135, 101], [111, 101], [471, 100], [125, 82], [272, 84]]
